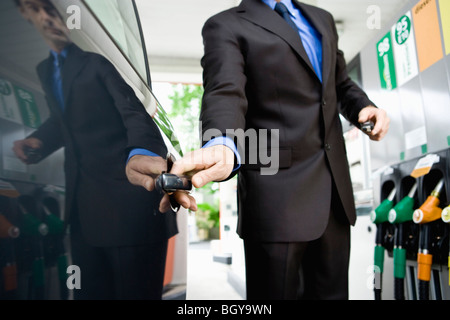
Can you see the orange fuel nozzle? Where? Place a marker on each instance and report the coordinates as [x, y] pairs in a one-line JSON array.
[[10, 277], [7, 229], [424, 262], [429, 210]]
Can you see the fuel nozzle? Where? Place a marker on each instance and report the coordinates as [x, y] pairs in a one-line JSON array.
[[429, 210], [35, 228], [379, 216], [403, 211], [55, 224], [446, 218], [31, 225], [9, 271], [381, 213], [7, 229], [445, 215], [56, 229], [424, 262]]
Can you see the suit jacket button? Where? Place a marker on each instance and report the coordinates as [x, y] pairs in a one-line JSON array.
[[327, 147], [324, 103]]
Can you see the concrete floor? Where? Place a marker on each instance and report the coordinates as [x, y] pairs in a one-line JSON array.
[[207, 279]]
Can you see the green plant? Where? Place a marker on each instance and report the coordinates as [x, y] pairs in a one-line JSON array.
[[212, 214], [185, 110]]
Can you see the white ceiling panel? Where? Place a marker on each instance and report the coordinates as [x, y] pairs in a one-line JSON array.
[[172, 30]]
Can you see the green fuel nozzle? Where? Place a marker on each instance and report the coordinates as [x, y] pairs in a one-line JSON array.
[[31, 225], [403, 211], [55, 224], [381, 213], [379, 216]]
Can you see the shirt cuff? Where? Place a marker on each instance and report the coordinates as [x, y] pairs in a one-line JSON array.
[[230, 144], [143, 152]]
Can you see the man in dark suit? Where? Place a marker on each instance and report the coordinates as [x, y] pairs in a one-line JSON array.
[[118, 234], [277, 67]]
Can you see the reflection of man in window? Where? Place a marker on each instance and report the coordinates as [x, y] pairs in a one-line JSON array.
[[118, 234]]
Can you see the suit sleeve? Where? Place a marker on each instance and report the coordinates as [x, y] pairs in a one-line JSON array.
[[51, 136], [351, 97], [224, 103], [50, 132], [142, 131]]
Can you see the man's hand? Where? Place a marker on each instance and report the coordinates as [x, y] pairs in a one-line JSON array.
[[21, 148], [204, 165], [143, 170], [379, 118]]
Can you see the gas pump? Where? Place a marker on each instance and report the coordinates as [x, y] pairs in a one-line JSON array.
[[446, 214], [8, 232], [34, 230], [379, 216], [399, 215], [446, 218], [428, 212], [56, 237], [7, 229]]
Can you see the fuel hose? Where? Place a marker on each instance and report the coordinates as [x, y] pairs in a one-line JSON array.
[[428, 212], [399, 215], [379, 216]]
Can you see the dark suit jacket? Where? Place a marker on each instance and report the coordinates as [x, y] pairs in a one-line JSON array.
[[257, 75], [102, 121]]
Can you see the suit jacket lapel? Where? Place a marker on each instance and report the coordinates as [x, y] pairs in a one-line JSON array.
[[321, 27], [259, 13], [72, 67], [45, 71]]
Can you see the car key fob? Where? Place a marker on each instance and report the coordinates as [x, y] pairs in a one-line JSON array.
[[169, 182], [367, 126], [33, 155]]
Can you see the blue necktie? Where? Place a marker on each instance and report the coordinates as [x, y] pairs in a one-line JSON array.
[[281, 9], [308, 42], [58, 81]]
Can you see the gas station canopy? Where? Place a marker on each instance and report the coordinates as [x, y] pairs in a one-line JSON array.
[[172, 30]]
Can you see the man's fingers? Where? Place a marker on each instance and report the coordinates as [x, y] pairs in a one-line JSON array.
[[217, 172], [33, 143], [379, 122], [20, 146], [185, 200], [366, 114], [164, 205], [147, 165], [140, 179], [18, 150], [208, 164], [191, 162], [141, 170], [381, 126], [380, 119]]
